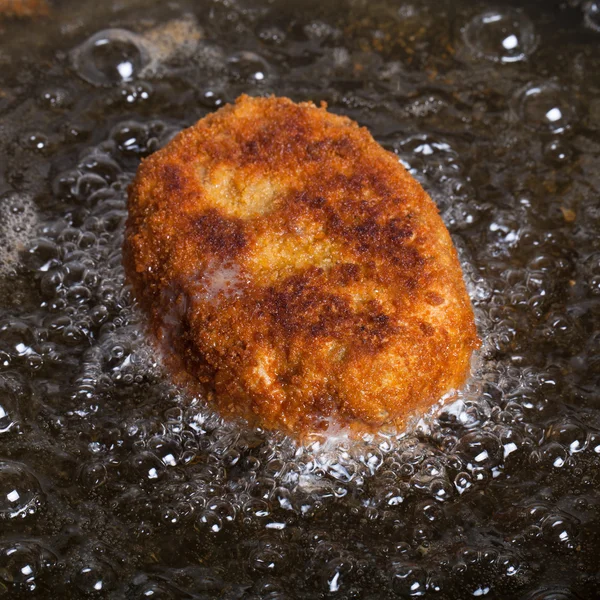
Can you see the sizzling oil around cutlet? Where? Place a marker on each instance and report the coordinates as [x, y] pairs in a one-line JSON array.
[[114, 484]]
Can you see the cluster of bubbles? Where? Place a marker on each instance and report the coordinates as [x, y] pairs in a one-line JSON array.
[[437, 165], [18, 221], [115, 481]]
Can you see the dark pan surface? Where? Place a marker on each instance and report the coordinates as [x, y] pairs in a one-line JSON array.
[[116, 484]]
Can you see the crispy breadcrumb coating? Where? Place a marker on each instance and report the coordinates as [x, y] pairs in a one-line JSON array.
[[295, 269]]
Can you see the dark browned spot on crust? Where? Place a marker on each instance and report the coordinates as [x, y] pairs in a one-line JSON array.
[[433, 299], [427, 329], [222, 236], [172, 178], [318, 280], [302, 309]]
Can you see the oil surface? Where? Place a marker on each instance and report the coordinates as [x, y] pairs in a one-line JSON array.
[[116, 484]]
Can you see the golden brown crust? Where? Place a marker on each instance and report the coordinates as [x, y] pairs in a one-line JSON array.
[[297, 270]]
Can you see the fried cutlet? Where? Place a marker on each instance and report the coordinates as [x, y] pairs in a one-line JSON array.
[[295, 270]]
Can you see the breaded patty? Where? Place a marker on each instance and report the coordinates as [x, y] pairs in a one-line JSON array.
[[292, 267]]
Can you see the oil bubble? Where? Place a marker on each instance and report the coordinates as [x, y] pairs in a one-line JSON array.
[[408, 580], [336, 575], [591, 12], [20, 492], [94, 579], [134, 138], [249, 67], [226, 511], [553, 455], [22, 562], [110, 56], [211, 98], [503, 36], [7, 417], [544, 107], [557, 153], [559, 531], [15, 400], [209, 521], [462, 482], [480, 450], [571, 435], [267, 558], [145, 466], [93, 475]]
